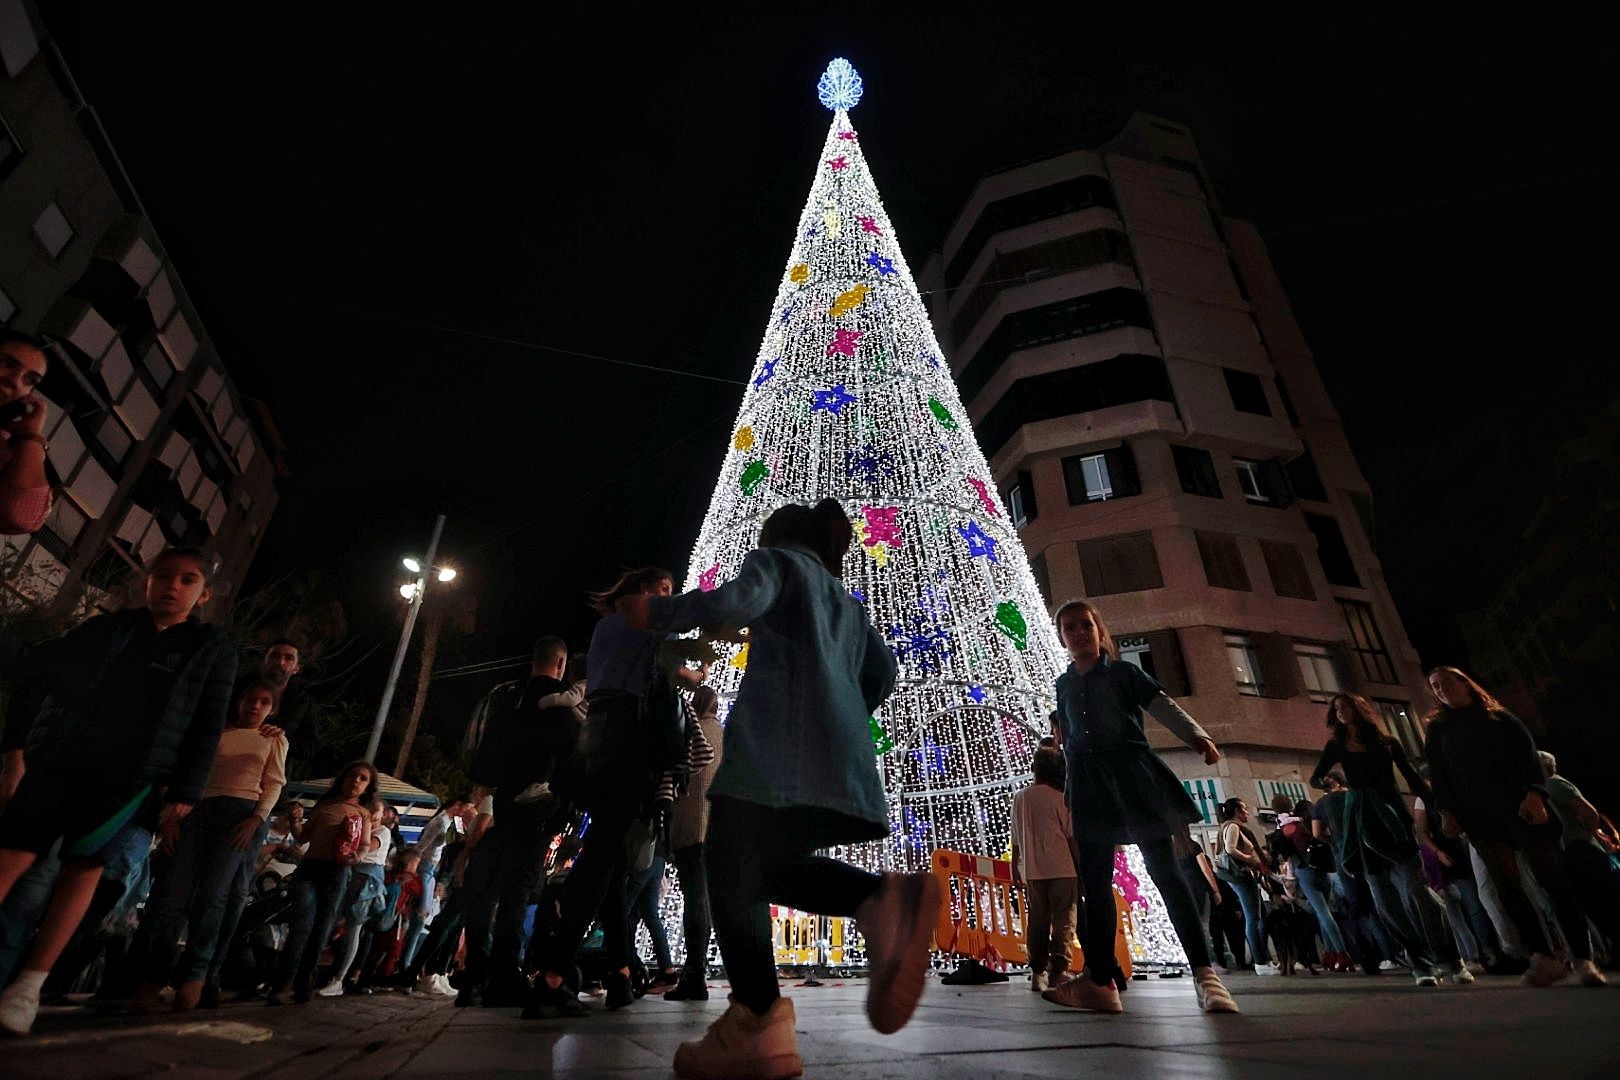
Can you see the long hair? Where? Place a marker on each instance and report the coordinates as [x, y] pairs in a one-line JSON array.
[[1369, 728], [630, 582], [335, 792], [1482, 696], [257, 684], [823, 528], [1105, 640]]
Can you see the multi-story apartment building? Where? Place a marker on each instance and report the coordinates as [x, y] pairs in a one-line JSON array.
[[1165, 443], [150, 442]]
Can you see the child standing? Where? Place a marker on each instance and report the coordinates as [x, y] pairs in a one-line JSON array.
[[133, 708], [1042, 841], [1120, 792], [798, 774]]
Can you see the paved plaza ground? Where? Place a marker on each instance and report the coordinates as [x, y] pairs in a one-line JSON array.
[[1346, 1025]]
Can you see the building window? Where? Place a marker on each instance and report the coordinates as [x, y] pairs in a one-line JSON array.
[[1305, 480], [1367, 642], [1397, 717], [1138, 651], [1061, 256], [1020, 500], [1286, 566], [1250, 482], [1223, 561], [11, 151], [1248, 392], [52, 229], [1337, 564], [1053, 200], [1119, 380], [1096, 477], [1245, 660], [1061, 320], [1120, 564], [1043, 578], [7, 308], [1196, 468], [1318, 672]]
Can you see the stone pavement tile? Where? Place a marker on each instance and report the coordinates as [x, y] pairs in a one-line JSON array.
[[93, 1063], [518, 1052], [1124, 1062]]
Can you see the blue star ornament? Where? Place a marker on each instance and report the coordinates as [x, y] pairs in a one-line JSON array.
[[832, 401], [978, 541], [839, 86], [764, 376], [977, 693], [880, 264]]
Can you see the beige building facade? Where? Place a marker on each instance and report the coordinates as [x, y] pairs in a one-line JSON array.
[[1161, 434], [151, 443]]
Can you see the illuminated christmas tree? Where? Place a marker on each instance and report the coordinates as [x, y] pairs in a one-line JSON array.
[[851, 397]]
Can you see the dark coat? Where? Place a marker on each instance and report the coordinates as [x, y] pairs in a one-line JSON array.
[[68, 672]]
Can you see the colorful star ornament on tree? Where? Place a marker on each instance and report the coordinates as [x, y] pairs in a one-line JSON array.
[[853, 399]]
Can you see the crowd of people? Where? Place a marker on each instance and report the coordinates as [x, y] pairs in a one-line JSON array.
[[148, 846]]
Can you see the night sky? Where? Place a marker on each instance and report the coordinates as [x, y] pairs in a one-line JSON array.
[[363, 207]]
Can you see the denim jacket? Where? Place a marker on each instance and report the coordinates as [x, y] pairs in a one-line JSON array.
[[797, 735]]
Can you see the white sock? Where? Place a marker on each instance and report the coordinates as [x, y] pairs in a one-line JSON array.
[[30, 982]]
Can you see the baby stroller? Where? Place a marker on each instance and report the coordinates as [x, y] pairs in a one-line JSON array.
[[260, 936]]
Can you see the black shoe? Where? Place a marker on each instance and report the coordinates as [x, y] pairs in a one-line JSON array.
[[210, 996], [546, 1002], [469, 997], [619, 993], [972, 973], [688, 992]]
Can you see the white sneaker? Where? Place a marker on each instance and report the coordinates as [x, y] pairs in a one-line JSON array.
[[1462, 976], [1267, 969], [426, 984], [1589, 974], [1425, 978], [441, 985], [18, 1008], [331, 989], [1037, 982], [1389, 965], [1544, 970]]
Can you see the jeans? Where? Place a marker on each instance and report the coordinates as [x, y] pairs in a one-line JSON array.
[[1314, 884], [753, 860], [697, 923], [1102, 922], [643, 892], [1410, 910], [500, 876], [318, 888], [236, 901], [193, 893], [1248, 894], [419, 916], [1468, 914]]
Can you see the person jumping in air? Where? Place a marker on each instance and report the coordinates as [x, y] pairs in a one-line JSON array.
[[798, 774], [1120, 792]]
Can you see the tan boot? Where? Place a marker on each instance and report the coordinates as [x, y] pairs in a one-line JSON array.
[[896, 922], [1082, 993], [743, 1046], [187, 994]]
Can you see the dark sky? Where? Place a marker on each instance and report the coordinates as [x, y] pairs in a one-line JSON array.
[[342, 193]]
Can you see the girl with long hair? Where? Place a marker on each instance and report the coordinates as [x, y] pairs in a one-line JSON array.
[[338, 832], [1121, 792], [1376, 841], [1489, 784], [1241, 864]]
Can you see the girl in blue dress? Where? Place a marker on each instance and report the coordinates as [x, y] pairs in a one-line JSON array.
[[1121, 792]]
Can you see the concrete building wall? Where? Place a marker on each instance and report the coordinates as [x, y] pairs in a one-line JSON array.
[[1239, 384], [151, 443]]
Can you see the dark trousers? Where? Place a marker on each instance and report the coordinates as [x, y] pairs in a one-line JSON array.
[[697, 923], [1102, 922], [438, 952], [500, 876], [236, 901], [753, 859], [318, 889], [1597, 884], [194, 891], [595, 885], [1540, 850], [1226, 927], [644, 891]]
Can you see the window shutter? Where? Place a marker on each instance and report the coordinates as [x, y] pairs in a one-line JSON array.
[[1278, 665], [1274, 483], [1091, 568], [1168, 662], [1350, 670], [1122, 471], [1026, 485]]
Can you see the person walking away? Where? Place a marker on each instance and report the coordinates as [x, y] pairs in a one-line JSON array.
[[1120, 792], [1239, 863], [212, 844], [1043, 859], [798, 776], [1378, 841], [133, 707], [520, 749], [1489, 784], [1590, 844], [338, 832]]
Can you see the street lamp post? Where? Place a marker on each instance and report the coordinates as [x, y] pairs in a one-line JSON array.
[[422, 570]]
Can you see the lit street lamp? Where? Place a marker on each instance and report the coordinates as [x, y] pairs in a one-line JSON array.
[[415, 592]]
